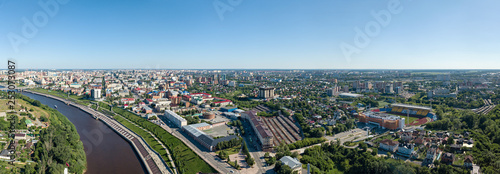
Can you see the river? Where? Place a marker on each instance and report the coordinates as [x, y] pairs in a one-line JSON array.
[[106, 151]]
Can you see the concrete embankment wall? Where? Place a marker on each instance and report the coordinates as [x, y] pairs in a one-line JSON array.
[[86, 110]]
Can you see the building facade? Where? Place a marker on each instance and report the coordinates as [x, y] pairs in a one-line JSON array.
[[176, 119], [266, 92], [382, 120]]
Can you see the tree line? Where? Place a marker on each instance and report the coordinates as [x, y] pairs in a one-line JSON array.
[[59, 145]]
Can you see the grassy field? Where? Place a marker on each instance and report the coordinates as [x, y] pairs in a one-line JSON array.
[[185, 159], [37, 112], [146, 136], [411, 120], [381, 104], [78, 99], [232, 150], [382, 138]]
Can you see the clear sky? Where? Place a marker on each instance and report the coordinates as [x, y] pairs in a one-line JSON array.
[[251, 34]]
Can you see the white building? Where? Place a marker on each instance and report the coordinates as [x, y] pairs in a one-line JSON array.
[[293, 163], [389, 145], [350, 95], [176, 119], [96, 93]]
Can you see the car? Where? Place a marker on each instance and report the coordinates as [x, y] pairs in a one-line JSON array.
[[231, 171]]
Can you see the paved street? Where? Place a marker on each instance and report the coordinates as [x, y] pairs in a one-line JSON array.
[[253, 148], [357, 133], [209, 157]]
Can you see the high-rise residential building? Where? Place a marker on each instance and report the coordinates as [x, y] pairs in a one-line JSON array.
[[333, 91], [96, 93], [266, 92], [389, 89]]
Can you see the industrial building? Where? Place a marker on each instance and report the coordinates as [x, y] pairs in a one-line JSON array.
[[264, 135], [272, 131], [201, 137], [228, 109], [208, 115], [350, 95], [383, 120], [176, 119]]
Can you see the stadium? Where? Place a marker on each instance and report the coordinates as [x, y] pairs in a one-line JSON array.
[[412, 110], [394, 117]]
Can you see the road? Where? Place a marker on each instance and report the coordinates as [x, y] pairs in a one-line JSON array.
[[254, 149], [209, 157], [360, 134]]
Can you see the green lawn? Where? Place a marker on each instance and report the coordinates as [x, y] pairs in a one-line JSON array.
[[459, 159], [185, 159], [411, 120], [381, 104], [78, 99], [232, 150], [146, 136], [382, 138]]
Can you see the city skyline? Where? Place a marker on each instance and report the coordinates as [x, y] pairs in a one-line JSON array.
[[250, 35]]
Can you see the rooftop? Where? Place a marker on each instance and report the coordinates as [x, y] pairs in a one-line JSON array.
[[411, 106], [199, 125], [351, 95], [381, 115], [291, 162], [389, 142]]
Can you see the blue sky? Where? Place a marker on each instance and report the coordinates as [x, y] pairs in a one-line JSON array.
[[256, 34]]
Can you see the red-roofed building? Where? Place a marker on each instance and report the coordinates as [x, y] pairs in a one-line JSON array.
[[186, 98], [389, 145], [202, 95], [128, 100], [222, 101]]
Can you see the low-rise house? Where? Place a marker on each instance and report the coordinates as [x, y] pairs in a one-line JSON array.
[[293, 163], [417, 133], [20, 136], [456, 148], [444, 140], [147, 110], [148, 116], [466, 134], [406, 136], [431, 154], [448, 158], [419, 141], [128, 100], [5, 154], [405, 149], [389, 145], [468, 161]]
